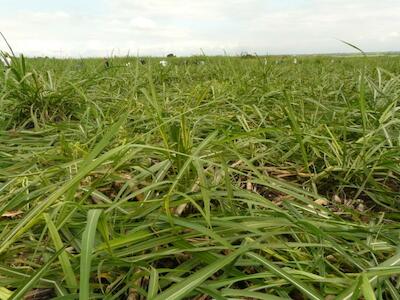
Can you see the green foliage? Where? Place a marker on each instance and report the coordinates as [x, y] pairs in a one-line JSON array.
[[236, 178], [36, 95]]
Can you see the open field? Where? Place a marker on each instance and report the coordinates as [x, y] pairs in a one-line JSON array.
[[232, 179]]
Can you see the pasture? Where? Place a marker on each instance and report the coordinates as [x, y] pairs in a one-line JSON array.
[[235, 178]]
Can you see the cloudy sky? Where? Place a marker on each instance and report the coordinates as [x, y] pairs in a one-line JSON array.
[[186, 27]]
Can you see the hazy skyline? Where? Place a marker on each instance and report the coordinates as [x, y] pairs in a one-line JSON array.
[[157, 27]]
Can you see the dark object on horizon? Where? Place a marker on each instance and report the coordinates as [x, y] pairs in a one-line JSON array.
[[171, 55], [246, 55], [106, 63], [142, 61]]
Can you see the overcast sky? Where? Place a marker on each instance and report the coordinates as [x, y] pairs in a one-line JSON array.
[[186, 27]]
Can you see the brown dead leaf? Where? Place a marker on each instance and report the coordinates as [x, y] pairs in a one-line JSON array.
[[133, 295], [180, 209], [331, 258], [322, 202], [249, 186], [40, 294], [238, 163], [202, 297], [12, 214], [361, 207], [140, 197], [337, 199]]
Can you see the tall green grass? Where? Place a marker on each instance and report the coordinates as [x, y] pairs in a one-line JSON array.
[[234, 179]]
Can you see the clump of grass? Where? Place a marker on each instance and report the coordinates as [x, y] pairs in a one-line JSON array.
[[30, 96], [228, 180]]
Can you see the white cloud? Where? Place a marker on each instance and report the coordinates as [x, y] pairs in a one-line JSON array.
[[156, 27], [143, 23]]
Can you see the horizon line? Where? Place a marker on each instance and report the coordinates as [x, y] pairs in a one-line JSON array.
[[244, 53]]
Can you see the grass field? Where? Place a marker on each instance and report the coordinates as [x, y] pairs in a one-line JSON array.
[[232, 179]]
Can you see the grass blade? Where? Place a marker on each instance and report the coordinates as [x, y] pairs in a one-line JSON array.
[[87, 252], [307, 290], [153, 284], [367, 290], [64, 260], [5, 294], [179, 290]]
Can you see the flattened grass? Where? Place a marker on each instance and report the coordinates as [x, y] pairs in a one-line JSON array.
[[234, 179]]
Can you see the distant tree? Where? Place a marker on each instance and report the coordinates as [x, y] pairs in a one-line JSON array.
[[246, 55]]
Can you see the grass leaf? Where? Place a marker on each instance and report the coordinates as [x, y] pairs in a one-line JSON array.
[[87, 253], [181, 289]]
